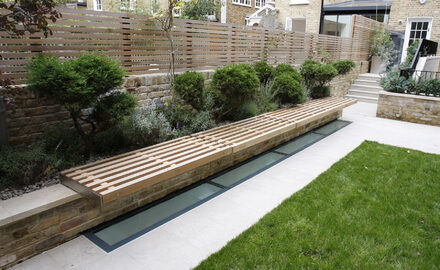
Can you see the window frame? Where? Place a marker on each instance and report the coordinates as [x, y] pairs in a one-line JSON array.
[[262, 3], [408, 30], [96, 4], [242, 3]]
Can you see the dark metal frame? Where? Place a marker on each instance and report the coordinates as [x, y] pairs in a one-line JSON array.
[[90, 234]]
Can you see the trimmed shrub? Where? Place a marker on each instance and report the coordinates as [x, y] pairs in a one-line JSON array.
[[316, 76], [112, 109], [234, 85], [284, 68], [263, 70], [189, 86], [80, 84], [287, 89], [343, 66], [319, 91]]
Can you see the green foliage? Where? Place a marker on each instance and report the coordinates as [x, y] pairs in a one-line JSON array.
[[112, 109], [263, 70], [382, 46], [411, 53], [234, 85], [204, 119], [393, 82], [284, 68], [79, 84], [63, 143], [319, 91], [343, 66], [266, 98], [316, 76], [197, 9], [189, 86], [147, 126], [174, 113], [287, 89], [24, 166]]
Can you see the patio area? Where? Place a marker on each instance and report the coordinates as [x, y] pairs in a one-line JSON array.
[[185, 241]]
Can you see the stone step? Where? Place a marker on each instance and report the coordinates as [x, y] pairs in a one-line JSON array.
[[363, 93], [369, 77], [363, 99], [367, 82], [366, 87]]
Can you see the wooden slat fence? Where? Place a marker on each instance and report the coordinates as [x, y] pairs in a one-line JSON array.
[[141, 47]]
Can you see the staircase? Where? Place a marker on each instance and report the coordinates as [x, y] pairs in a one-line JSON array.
[[365, 88]]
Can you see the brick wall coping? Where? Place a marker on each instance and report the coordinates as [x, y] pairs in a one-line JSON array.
[[382, 92], [35, 202]]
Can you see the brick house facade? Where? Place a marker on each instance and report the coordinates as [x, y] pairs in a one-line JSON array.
[[415, 18]]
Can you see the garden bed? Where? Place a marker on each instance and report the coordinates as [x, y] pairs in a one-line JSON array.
[[411, 108]]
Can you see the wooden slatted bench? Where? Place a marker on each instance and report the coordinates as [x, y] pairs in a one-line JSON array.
[[124, 174]]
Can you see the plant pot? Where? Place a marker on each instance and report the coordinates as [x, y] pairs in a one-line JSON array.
[[377, 66]]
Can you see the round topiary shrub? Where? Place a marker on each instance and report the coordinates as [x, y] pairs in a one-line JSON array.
[[189, 86], [287, 89], [234, 85], [80, 84], [319, 91], [316, 76], [263, 70], [284, 68], [343, 66]]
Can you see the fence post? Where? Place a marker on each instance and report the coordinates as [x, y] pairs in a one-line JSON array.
[[3, 128]]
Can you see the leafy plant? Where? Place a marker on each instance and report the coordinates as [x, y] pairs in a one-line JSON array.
[[393, 82], [24, 166], [266, 98], [189, 86], [284, 68], [316, 76], [287, 89], [411, 53], [343, 66], [263, 70], [198, 9], [234, 85], [79, 85], [382, 46], [319, 91], [147, 126]]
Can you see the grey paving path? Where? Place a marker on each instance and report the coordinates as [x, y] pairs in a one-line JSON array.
[[185, 241]]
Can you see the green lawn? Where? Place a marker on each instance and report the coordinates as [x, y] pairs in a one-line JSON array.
[[377, 208]]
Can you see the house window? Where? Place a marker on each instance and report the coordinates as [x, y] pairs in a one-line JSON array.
[[416, 29], [177, 12], [98, 5], [242, 2], [337, 25], [260, 3], [127, 4]]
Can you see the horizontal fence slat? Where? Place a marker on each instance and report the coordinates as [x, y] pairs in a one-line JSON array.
[[140, 45]]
